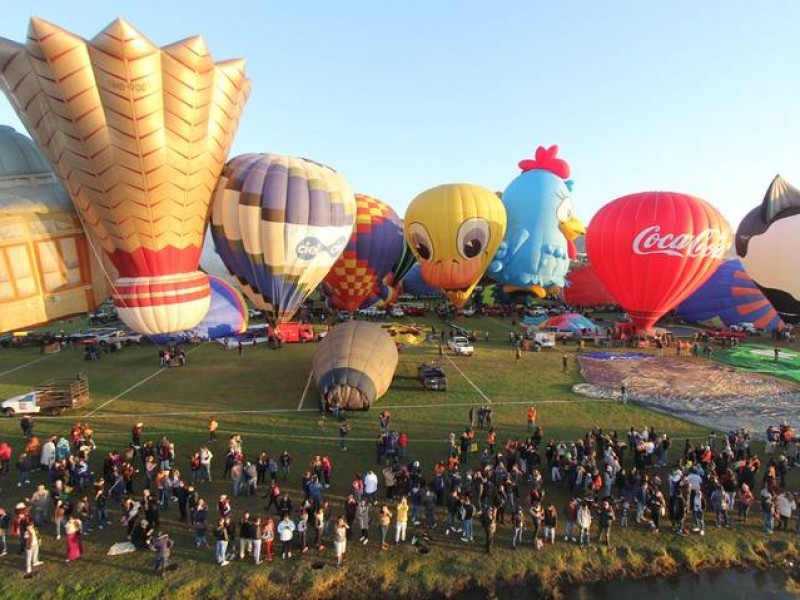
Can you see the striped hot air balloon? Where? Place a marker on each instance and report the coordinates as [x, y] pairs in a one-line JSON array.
[[227, 316], [138, 134], [729, 297], [358, 277], [279, 223]]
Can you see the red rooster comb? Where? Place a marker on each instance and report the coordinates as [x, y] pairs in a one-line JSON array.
[[546, 160]]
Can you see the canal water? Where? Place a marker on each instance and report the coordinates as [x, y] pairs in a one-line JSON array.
[[718, 585]]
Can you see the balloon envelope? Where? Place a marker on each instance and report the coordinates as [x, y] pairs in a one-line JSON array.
[[47, 271], [279, 223], [227, 316], [653, 249], [414, 284], [354, 365], [534, 255], [766, 239], [730, 296], [138, 135], [454, 231], [584, 288], [374, 247]]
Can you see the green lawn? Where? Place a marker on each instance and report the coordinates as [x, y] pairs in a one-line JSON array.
[[258, 396]]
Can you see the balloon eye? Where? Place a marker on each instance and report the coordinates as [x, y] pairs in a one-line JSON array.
[[564, 210], [473, 237], [420, 241]]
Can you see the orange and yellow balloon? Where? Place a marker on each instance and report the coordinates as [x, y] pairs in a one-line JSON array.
[[454, 231]]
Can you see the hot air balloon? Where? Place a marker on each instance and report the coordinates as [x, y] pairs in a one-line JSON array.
[[414, 284], [279, 224], [454, 231], [767, 237], [227, 316], [373, 249], [138, 134], [584, 288], [534, 255], [46, 269], [354, 365], [730, 297], [393, 281], [653, 249]]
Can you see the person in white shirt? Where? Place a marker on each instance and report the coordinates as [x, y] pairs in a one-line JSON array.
[[371, 487], [286, 532]]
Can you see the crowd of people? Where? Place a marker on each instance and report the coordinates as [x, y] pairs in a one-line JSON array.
[[529, 490]]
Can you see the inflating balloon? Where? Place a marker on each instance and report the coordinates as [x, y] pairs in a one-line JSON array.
[[138, 134], [653, 249], [766, 238], [729, 297], [46, 269], [534, 255], [584, 288], [454, 231], [374, 247], [279, 223], [354, 365], [415, 285], [227, 316]]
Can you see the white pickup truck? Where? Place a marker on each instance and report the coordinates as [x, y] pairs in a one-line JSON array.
[[118, 338], [24, 404], [461, 346]]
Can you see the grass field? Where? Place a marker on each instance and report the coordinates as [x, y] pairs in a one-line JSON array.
[[260, 396]]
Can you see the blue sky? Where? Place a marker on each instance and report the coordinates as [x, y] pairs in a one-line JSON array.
[[697, 97]]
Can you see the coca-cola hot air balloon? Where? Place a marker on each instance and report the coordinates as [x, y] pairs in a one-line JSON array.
[[374, 247], [652, 249], [279, 223], [138, 134], [454, 231]]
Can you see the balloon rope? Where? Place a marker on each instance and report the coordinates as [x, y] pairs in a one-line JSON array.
[[97, 256]]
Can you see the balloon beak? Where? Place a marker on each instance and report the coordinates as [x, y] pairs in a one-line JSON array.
[[572, 228]]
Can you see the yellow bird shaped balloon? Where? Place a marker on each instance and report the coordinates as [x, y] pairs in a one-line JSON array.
[[454, 231]]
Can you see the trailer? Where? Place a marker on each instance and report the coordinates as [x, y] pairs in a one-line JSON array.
[[56, 395]]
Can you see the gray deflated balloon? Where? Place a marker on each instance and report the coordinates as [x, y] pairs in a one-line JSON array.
[[354, 365]]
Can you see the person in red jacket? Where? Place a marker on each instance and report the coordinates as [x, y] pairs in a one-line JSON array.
[[5, 458], [402, 444]]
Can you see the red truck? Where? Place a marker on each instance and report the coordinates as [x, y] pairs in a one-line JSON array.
[[295, 332]]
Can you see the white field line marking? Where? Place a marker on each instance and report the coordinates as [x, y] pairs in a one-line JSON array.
[[27, 364], [484, 396], [305, 390], [134, 386]]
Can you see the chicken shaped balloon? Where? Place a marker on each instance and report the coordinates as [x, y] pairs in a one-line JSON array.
[[534, 256], [453, 231]]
